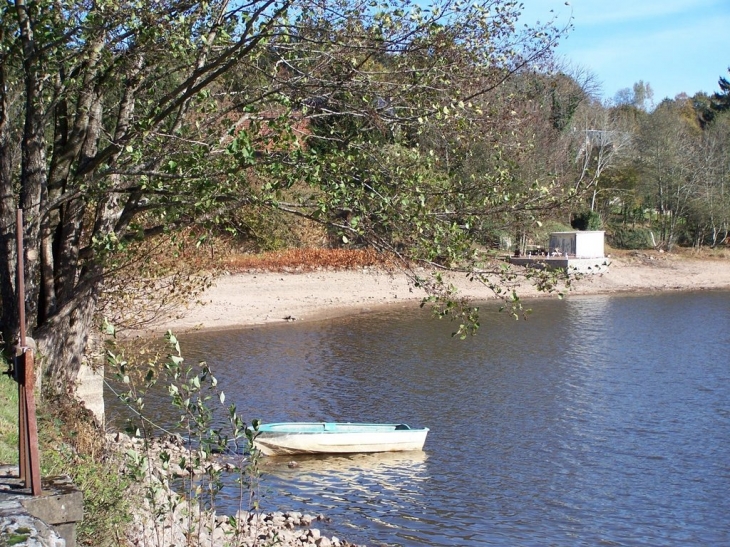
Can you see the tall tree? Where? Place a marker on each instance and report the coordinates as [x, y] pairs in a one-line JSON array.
[[667, 144], [721, 99], [708, 220], [123, 120], [640, 96]]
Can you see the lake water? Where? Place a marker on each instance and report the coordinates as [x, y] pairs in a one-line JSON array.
[[600, 420]]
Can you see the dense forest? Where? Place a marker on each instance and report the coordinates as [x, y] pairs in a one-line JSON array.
[[669, 185], [434, 133]]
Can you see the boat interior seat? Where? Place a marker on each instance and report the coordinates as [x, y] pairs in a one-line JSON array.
[[401, 427], [329, 427]]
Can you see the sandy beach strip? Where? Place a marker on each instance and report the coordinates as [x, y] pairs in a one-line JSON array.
[[246, 299]]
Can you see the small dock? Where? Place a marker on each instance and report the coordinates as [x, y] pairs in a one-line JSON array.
[[580, 252]]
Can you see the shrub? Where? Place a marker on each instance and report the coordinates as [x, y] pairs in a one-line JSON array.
[[207, 428], [625, 237], [586, 220]]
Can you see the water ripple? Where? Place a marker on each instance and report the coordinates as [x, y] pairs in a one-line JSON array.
[[600, 421]]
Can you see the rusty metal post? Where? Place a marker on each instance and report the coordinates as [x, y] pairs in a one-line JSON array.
[[22, 444], [29, 465]]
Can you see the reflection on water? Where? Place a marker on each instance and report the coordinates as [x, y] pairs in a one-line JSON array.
[[387, 481], [409, 465], [600, 420]]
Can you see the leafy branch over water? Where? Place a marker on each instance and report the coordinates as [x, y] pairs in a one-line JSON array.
[[180, 472]]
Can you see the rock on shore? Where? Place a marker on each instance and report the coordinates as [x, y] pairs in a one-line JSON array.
[[164, 517]]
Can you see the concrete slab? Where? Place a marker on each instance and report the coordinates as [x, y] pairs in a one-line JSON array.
[[58, 508]]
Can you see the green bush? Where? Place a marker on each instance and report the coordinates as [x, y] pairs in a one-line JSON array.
[[586, 220], [626, 237]]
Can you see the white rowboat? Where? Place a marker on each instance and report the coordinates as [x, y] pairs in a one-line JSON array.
[[336, 438]]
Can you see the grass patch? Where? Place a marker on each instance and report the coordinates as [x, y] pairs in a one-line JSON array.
[[8, 417]]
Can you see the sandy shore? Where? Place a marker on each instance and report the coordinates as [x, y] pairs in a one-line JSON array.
[[263, 298]]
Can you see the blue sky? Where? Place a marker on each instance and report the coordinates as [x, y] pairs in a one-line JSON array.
[[674, 45]]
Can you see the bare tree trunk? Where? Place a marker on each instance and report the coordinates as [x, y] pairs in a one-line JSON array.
[[33, 162], [63, 338], [9, 308]]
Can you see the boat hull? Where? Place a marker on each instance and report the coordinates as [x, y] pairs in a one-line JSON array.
[[337, 438]]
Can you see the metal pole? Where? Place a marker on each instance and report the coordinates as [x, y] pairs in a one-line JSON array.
[[23, 470], [21, 275], [29, 465]]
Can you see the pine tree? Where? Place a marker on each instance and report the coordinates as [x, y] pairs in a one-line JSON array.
[[721, 100]]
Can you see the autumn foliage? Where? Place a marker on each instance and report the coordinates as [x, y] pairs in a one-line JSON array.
[[306, 260]]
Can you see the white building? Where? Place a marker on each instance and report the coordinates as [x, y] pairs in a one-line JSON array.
[[577, 244], [575, 252]]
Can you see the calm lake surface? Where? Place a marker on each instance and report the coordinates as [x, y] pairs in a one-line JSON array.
[[601, 420]]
